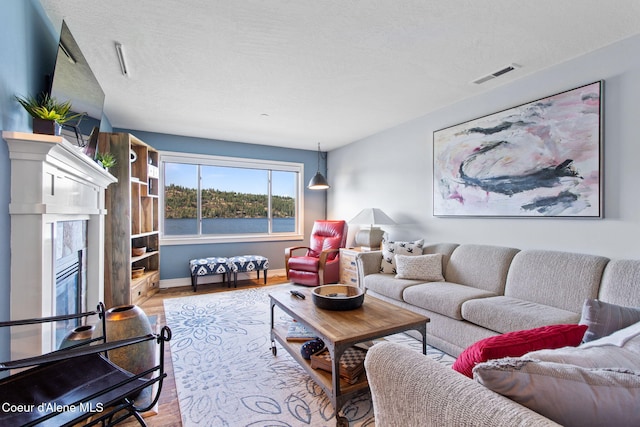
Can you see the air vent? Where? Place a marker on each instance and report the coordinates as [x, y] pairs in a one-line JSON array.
[[495, 74]]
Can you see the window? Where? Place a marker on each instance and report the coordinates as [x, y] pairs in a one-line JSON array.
[[213, 199]]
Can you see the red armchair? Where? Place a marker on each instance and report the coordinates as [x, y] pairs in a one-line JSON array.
[[321, 263]]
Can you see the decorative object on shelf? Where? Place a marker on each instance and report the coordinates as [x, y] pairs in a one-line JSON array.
[[138, 251], [371, 238], [311, 347], [297, 332], [539, 159], [48, 113], [338, 297], [77, 335], [107, 160], [137, 272], [132, 156], [318, 182], [351, 363], [128, 321]]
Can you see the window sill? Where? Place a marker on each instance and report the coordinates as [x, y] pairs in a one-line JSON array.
[[235, 238]]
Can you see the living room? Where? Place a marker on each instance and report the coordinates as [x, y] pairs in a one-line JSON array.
[[391, 169]]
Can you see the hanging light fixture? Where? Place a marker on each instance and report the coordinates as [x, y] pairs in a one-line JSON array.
[[318, 182]]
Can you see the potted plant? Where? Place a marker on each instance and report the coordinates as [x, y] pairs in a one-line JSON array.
[[107, 159], [48, 113]]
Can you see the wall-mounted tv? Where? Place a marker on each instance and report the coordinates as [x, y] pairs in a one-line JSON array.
[[74, 81]]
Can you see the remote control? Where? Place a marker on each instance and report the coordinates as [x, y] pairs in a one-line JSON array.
[[298, 294]]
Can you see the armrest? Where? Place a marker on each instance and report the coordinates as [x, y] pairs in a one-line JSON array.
[[410, 389], [368, 263], [288, 252], [322, 262]]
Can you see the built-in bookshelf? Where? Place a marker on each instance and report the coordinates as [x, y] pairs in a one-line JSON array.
[[132, 220]]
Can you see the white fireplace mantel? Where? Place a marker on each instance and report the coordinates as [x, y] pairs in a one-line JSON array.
[[52, 180]]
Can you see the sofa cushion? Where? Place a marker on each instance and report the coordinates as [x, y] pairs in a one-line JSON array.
[[304, 263], [618, 350], [443, 297], [481, 266], [391, 249], [569, 395], [517, 343], [387, 285], [553, 278], [446, 249], [603, 318], [620, 281], [422, 267], [504, 314]]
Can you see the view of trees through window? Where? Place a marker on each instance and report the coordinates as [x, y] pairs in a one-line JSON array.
[[209, 199]]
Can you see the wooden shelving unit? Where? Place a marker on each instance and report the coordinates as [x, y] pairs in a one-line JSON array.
[[132, 220]]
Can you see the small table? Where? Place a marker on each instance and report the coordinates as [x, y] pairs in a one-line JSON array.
[[340, 330], [244, 263]]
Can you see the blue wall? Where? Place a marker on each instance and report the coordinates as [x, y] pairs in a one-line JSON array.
[[29, 47], [174, 259]]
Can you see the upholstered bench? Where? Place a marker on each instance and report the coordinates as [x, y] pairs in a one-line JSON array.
[[209, 267], [245, 263]]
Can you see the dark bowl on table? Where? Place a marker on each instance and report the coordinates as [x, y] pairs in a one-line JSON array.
[[337, 297]]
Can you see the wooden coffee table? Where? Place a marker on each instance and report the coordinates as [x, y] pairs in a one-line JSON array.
[[340, 330]]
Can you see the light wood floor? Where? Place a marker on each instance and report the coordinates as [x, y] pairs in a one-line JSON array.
[[168, 409]]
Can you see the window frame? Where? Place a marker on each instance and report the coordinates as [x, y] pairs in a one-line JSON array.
[[232, 162]]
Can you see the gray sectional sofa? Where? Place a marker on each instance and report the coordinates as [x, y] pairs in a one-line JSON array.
[[487, 291]]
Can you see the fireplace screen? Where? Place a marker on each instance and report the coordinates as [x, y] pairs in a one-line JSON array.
[[70, 273]]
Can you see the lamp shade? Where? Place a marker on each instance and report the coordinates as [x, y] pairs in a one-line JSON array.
[[371, 238], [318, 182], [372, 216]]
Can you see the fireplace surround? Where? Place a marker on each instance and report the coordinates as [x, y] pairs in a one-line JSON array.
[[52, 181]]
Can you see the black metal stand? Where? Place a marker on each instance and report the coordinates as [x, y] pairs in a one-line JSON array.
[[77, 383]]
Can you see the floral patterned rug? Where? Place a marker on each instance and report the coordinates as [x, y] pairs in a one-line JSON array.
[[226, 374]]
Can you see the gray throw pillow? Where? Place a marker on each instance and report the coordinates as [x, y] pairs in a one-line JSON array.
[[569, 395], [603, 318], [420, 267]]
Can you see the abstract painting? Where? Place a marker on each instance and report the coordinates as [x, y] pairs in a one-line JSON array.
[[540, 159]]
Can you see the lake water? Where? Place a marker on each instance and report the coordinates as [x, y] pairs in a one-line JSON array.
[[189, 226]]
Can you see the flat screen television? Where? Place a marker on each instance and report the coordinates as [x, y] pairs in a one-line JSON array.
[[72, 80]]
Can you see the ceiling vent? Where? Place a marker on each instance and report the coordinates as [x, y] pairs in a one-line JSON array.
[[495, 74]]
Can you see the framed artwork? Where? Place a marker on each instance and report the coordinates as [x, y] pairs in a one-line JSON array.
[[540, 159]]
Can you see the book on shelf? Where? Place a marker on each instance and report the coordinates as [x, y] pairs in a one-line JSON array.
[[351, 363], [298, 332]]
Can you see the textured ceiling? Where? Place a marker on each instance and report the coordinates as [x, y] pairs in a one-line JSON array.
[[292, 73]]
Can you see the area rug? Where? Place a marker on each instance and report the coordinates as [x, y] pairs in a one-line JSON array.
[[226, 374]]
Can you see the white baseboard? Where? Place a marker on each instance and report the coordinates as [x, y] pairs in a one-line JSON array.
[[186, 281]]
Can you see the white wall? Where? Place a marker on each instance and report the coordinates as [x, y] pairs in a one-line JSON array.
[[392, 170]]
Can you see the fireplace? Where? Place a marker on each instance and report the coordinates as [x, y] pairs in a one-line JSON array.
[[57, 235], [70, 274]]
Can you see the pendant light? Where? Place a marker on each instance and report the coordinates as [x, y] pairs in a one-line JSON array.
[[318, 182]]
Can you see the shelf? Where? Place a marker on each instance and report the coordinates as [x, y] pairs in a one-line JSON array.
[[322, 378], [145, 255], [132, 219], [150, 233]]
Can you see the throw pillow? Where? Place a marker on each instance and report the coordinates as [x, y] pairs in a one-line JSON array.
[[567, 394], [618, 350], [421, 267], [604, 318], [391, 249], [515, 344]]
